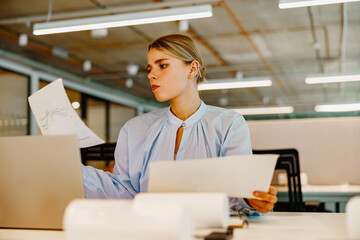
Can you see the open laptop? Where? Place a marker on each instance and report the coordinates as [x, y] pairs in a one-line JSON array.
[[39, 176]]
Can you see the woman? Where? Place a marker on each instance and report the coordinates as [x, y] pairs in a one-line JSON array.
[[188, 129]]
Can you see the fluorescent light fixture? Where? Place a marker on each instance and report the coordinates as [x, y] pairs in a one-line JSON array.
[[283, 4], [121, 20], [314, 79], [233, 83], [338, 107], [264, 110]]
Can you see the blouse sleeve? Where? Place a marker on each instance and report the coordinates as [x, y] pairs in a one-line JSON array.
[[237, 142], [100, 184]]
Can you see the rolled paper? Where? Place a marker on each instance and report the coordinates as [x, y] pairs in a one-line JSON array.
[[208, 210], [89, 219], [352, 210]]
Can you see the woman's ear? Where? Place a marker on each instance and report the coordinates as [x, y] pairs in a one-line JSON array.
[[194, 69]]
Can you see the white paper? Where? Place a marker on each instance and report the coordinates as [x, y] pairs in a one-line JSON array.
[[55, 115], [238, 176], [208, 210], [89, 219]]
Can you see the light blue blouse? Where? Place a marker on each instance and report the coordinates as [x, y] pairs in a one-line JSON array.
[[210, 132]]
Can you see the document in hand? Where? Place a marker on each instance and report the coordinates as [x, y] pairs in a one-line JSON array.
[[238, 176], [55, 115]]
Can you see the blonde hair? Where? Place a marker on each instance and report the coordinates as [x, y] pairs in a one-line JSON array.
[[181, 47]]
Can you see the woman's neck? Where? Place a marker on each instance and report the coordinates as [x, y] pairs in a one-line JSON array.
[[185, 106]]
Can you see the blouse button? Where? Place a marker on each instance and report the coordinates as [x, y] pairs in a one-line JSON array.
[[183, 124]]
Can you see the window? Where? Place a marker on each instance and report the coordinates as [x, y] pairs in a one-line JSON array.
[[14, 110], [119, 115]]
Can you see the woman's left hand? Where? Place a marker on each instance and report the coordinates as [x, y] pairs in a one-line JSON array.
[[266, 201]]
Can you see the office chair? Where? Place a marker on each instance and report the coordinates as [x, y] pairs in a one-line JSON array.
[[103, 152], [288, 161]]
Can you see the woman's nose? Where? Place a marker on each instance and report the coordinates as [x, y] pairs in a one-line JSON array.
[[151, 75]]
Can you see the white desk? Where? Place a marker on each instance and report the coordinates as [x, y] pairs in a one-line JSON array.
[[294, 226], [334, 196], [289, 226]]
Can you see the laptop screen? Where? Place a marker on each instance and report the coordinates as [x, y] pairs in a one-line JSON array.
[[39, 176]]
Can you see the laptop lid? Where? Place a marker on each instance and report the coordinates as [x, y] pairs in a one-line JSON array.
[[39, 176]]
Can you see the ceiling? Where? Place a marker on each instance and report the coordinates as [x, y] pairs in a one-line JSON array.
[[251, 36]]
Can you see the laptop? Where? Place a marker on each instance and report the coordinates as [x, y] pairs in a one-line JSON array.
[[39, 176]]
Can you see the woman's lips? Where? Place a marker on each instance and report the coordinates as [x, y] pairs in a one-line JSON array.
[[154, 87]]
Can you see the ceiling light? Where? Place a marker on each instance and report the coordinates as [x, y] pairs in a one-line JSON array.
[[99, 33], [223, 101], [75, 105], [23, 40], [314, 79], [129, 83], [132, 69], [87, 65], [338, 107], [265, 110], [121, 20], [184, 25], [233, 83], [283, 4]]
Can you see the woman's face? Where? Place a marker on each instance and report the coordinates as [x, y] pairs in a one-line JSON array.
[[168, 75]]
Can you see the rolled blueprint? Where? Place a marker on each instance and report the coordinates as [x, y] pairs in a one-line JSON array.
[[208, 210], [352, 210], [115, 219]]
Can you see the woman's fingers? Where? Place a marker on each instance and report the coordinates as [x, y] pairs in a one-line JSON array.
[[266, 196], [266, 201], [260, 205]]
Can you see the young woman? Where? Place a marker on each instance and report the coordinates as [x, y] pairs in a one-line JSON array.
[[188, 129]]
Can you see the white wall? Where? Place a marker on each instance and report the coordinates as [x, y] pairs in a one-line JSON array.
[[329, 148]]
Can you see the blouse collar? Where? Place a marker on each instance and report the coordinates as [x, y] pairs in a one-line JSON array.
[[189, 121]]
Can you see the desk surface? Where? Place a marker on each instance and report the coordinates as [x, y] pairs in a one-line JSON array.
[[269, 226], [295, 226]]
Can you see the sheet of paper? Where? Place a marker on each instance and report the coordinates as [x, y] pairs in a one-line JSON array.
[[55, 115], [238, 176]]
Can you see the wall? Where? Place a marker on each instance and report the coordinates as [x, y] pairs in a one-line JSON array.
[[329, 148]]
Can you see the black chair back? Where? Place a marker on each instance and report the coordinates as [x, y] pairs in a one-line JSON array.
[[288, 161], [103, 152]]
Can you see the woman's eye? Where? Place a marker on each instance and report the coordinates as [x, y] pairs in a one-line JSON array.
[[163, 65], [148, 70]]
